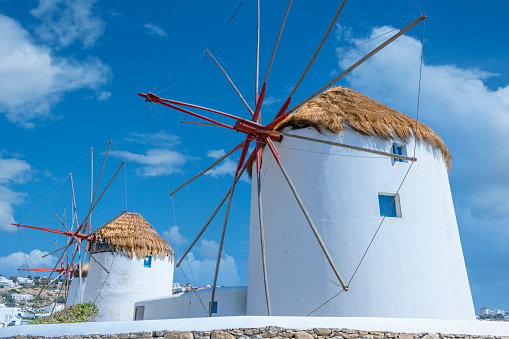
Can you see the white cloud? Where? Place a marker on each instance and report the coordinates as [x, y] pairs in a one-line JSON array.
[[174, 236], [10, 263], [154, 29], [224, 168], [271, 101], [32, 80], [473, 121], [159, 139], [65, 21], [216, 154], [156, 161], [11, 171], [204, 266], [103, 95]]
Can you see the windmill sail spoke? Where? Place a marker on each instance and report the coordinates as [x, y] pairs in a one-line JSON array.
[[362, 149], [306, 214], [257, 50], [211, 218], [220, 250], [231, 83], [207, 169], [354, 66], [333, 22], [260, 217]]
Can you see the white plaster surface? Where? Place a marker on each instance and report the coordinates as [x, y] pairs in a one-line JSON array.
[[231, 301], [74, 291], [128, 281], [471, 327], [415, 266]]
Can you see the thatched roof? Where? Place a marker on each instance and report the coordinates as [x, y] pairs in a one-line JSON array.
[[132, 235], [340, 107]]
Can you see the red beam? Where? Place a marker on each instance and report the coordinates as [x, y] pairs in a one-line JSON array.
[[78, 235]]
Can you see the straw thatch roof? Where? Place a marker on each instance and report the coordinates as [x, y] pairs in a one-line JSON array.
[[131, 235], [340, 107]]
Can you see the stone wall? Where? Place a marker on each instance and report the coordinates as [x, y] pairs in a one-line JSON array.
[[272, 332]]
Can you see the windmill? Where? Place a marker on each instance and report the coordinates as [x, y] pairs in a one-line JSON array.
[[78, 233], [266, 136]]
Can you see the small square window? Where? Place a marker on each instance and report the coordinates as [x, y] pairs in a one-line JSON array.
[[389, 205], [214, 307], [399, 149], [148, 261]]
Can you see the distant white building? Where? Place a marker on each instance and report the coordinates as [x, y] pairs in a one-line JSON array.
[[24, 281], [496, 311], [6, 282], [22, 297], [485, 310], [175, 286], [10, 315]]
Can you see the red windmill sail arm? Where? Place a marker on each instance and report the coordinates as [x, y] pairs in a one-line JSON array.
[[78, 235], [58, 270], [156, 98], [259, 102], [159, 101]]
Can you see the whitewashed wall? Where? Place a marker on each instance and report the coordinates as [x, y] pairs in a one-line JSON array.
[[231, 301], [74, 291], [415, 267], [128, 281]]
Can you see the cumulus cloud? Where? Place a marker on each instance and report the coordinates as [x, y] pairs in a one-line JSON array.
[[159, 139], [12, 171], [200, 267], [9, 264], [33, 80], [154, 29], [471, 118], [65, 21], [103, 95], [225, 167], [174, 236], [156, 161]]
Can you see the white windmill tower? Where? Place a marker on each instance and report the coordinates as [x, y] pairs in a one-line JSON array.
[[343, 193], [414, 267], [138, 262]]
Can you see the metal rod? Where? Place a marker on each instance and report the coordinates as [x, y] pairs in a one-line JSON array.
[[210, 219], [318, 49], [91, 187], [207, 169], [58, 249], [262, 231], [362, 149], [369, 55], [277, 41], [220, 251], [310, 221], [49, 277], [231, 83]]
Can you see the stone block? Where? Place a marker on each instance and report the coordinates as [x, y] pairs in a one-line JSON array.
[[406, 336], [217, 335], [178, 335], [431, 336], [323, 332], [303, 335], [251, 331], [236, 332], [287, 334]]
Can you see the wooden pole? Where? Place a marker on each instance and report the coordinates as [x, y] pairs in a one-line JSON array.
[[257, 50], [308, 217], [231, 83], [210, 219], [207, 169], [220, 251], [362, 149], [262, 241], [354, 66]]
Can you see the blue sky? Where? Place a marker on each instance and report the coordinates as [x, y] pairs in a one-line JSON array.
[[70, 72]]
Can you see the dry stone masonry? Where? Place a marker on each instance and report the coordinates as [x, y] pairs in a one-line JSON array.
[[271, 332]]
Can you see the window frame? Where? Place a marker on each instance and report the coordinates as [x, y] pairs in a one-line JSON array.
[[397, 204]]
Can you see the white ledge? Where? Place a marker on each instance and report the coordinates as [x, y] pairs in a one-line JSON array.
[[403, 325]]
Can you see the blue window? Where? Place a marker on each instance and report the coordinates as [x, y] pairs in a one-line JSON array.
[[389, 205], [214, 307], [399, 150], [148, 261]]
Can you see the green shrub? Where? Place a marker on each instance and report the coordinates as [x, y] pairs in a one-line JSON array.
[[78, 313]]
